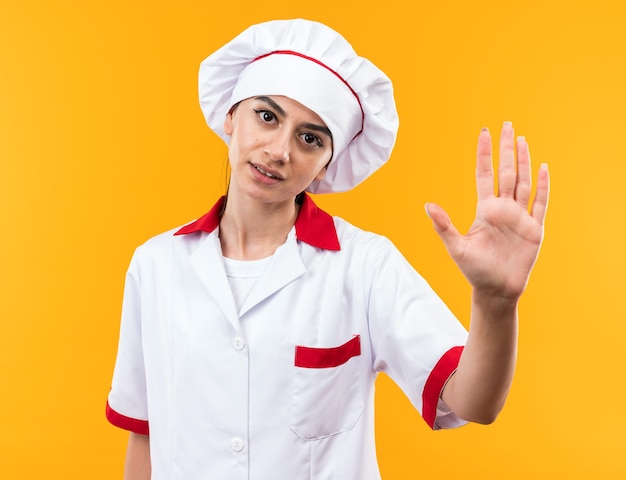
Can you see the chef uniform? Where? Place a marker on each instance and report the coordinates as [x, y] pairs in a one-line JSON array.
[[266, 369]]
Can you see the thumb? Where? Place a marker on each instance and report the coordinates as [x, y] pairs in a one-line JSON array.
[[443, 225]]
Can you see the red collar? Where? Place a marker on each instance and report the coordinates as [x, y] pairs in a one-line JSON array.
[[313, 225]]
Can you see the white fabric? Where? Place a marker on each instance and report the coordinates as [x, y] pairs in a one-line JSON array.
[[446, 418], [242, 275], [354, 159], [218, 384]]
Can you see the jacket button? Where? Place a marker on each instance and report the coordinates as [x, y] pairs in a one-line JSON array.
[[238, 343], [236, 444]]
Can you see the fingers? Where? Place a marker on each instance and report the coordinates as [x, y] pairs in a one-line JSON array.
[[514, 175], [507, 171], [524, 183], [444, 227], [484, 165], [542, 195], [515, 179]]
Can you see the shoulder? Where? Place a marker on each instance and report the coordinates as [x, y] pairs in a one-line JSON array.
[[376, 253], [158, 242], [163, 245], [351, 237], [187, 236]]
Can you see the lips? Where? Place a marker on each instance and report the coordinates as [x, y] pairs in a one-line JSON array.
[[267, 172]]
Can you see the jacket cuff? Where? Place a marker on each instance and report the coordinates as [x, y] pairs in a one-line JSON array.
[[437, 379]]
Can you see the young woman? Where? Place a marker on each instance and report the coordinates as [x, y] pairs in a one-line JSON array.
[[251, 338]]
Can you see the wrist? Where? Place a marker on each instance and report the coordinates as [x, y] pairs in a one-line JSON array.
[[494, 303]]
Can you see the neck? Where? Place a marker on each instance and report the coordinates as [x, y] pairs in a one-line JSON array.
[[252, 230]]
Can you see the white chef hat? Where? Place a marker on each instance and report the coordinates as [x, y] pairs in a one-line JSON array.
[[314, 65]]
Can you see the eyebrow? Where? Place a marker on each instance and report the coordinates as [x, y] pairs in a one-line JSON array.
[[282, 113], [273, 104]]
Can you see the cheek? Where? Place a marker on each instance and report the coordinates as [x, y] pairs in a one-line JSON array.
[[240, 146], [328, 158], [317, 171], [322, 172]]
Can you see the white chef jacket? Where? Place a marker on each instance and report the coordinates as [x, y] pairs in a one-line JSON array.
[[284, 386]]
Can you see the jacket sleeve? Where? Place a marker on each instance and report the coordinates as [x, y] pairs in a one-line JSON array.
[[416, 339], [127, 401]]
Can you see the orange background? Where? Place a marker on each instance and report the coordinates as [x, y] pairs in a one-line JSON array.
[[102, 145]]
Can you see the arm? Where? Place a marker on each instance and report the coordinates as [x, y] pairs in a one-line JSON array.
[[496, 256], [478, 389], [137, 465]]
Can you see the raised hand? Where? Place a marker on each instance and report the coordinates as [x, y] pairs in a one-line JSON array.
[[498, 252]]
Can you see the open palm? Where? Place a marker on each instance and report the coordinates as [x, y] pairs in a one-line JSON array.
[[498, 252]]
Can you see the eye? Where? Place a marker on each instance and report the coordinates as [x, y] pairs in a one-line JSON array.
[[311, 139], [265, 115]]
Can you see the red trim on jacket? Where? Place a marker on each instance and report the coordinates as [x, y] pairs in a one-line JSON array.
[[127, 423], [313, 225], [207, 222], [437, 379], [310, 357]]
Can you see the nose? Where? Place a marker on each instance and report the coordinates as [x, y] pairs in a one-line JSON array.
[[277, 147]]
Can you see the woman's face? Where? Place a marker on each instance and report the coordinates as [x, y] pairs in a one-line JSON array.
[[277, 148]]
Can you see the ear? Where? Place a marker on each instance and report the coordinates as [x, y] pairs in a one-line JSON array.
[[228, 124]]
